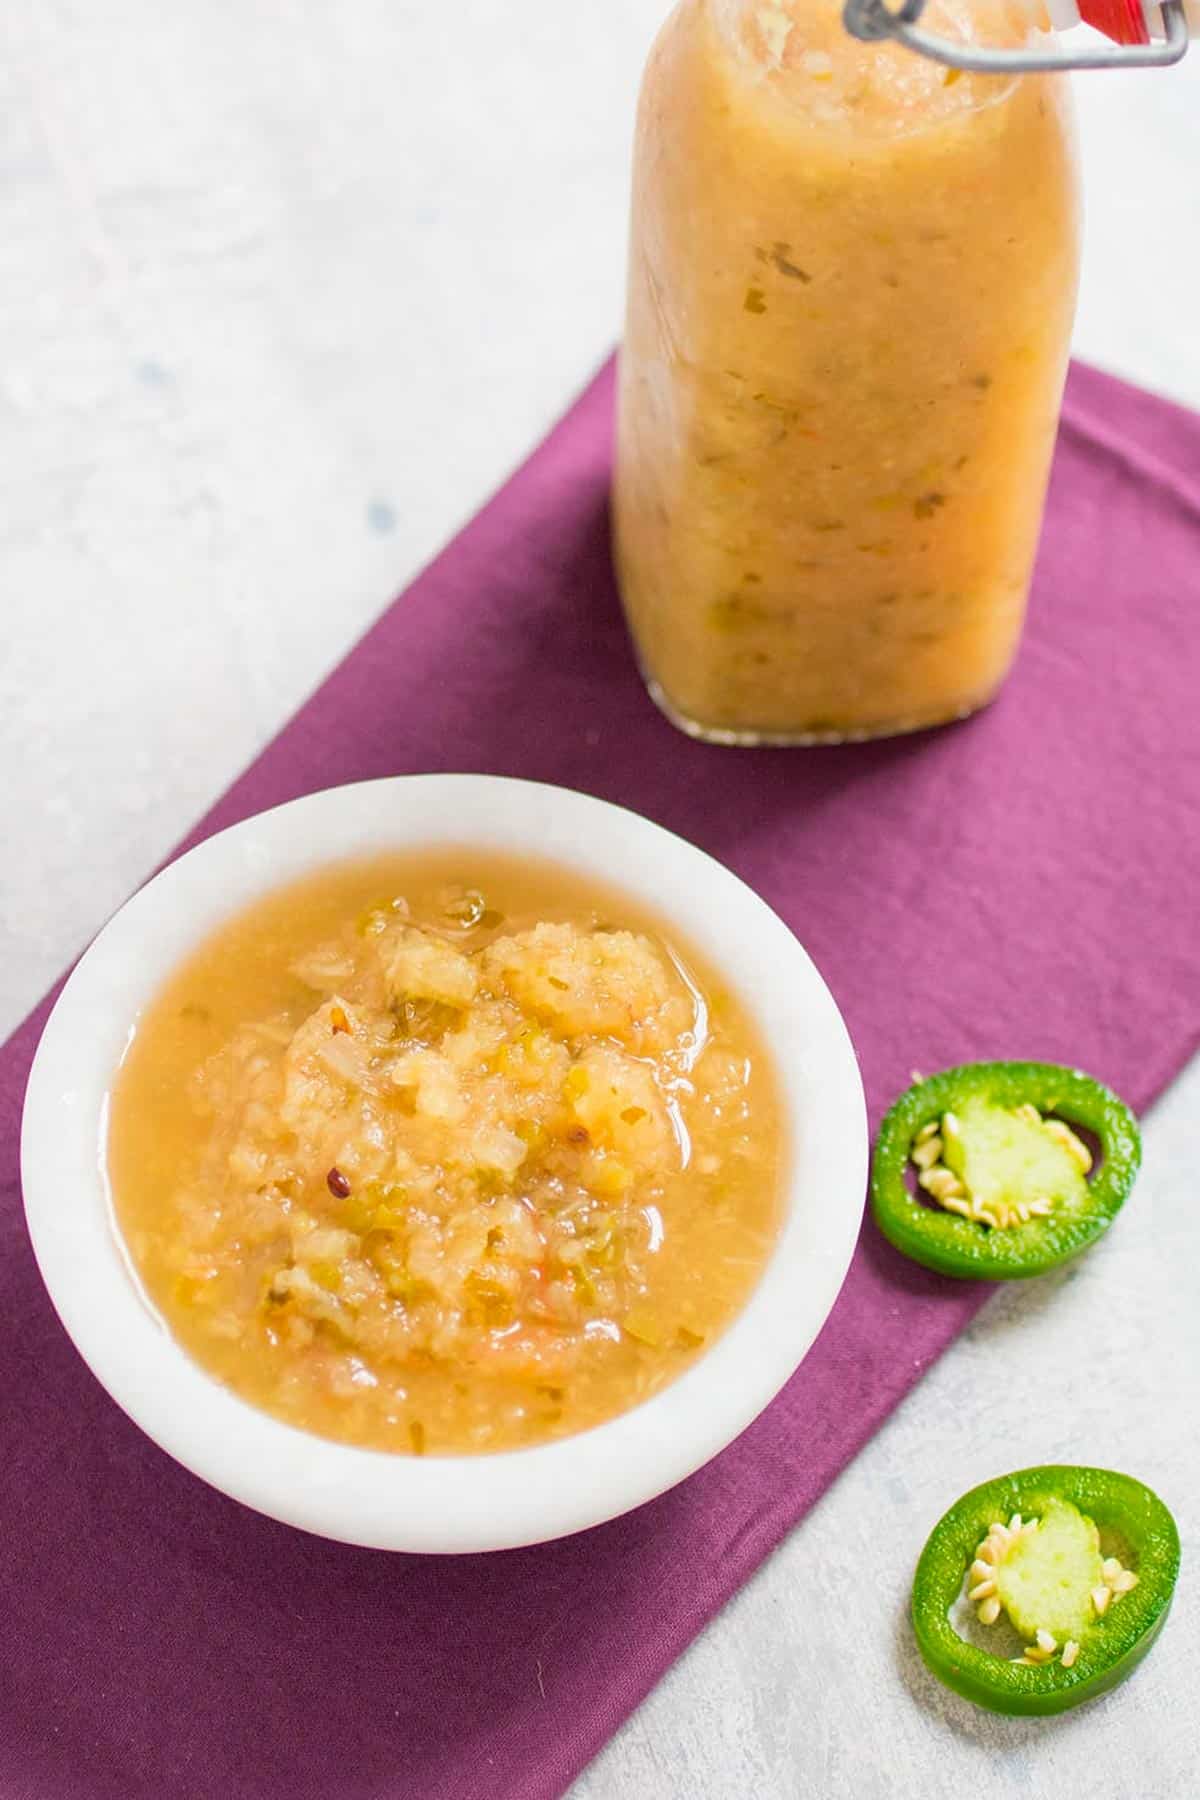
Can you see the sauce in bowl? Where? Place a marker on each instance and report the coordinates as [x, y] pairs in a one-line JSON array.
[[446, 1152]]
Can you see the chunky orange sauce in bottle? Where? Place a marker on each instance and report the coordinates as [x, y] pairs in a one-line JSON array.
[[851, 291]]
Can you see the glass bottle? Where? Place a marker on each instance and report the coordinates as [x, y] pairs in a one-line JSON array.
[[851, 288]]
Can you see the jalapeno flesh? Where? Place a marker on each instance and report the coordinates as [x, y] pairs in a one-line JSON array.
[[1134, 1528], [986, 1136]]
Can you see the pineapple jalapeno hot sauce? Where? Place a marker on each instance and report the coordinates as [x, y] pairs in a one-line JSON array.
[[446, 1153], [851, 288]]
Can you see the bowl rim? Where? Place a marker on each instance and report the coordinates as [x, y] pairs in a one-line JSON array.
[[440, 1504]]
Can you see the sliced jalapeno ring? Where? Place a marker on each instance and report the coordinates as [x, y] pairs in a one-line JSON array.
[[1070, 1570], [1006, 1185]]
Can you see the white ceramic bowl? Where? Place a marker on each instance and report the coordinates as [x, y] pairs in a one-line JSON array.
[[439, 1503]]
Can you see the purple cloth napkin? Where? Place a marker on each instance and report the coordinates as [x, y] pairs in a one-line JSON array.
[[1022, 885]]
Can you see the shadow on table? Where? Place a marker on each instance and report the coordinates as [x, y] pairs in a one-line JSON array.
[[1004, 1738]]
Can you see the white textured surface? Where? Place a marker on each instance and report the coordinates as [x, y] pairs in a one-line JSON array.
[[284, 291]]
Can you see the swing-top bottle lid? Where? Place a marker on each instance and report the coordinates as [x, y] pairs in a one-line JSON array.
[[1140, 34]]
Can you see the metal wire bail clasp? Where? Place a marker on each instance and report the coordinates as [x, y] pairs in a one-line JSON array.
[[872, 20]]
